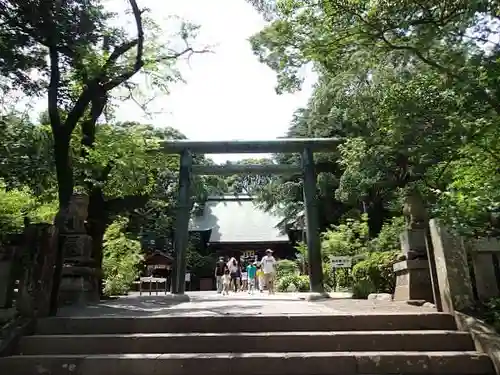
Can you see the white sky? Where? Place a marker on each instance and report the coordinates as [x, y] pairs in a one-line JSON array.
[[227, 94]]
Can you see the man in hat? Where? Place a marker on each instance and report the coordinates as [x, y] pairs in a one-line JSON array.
[[268, 264]]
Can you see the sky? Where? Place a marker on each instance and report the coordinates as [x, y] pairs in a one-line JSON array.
[[227, 94]]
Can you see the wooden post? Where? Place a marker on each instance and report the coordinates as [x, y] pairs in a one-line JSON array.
[[312, 225], [182, 222]]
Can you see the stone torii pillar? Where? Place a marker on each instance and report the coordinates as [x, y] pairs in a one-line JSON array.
[[312, 223], [181, 237]]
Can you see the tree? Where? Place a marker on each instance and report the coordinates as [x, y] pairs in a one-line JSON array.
[[25, 154], [87, 59], [248, 183], [412, 87]]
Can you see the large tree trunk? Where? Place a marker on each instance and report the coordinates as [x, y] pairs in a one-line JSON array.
[[97, 222], [377, 215], [64, 170]]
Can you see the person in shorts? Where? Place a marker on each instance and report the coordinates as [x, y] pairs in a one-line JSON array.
[[220, 269], [252, 274], [226, 282], [268, 263], [244, 277], [260, 278], [235, 273]]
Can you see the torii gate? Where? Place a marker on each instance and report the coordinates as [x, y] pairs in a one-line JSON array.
[[305, 146]]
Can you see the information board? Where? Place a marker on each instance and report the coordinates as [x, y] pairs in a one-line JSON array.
[[341, 262]]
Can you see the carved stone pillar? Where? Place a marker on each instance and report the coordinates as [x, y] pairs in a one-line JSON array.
[[37, 259], [79, 276], [413, 279]]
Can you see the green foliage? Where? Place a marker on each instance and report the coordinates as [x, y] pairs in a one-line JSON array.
[[121, 259], [361, 289], [350, 238], [492, 313], [388, 238], [375, 271], [16, 204], [301, 283], [286, 267], [199, 265], [413, 90]]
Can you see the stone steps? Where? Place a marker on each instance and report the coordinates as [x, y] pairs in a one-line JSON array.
[[247, 342], [370, 344], [276, 363], [246, 323]]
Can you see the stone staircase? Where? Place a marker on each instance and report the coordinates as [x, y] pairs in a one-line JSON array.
[[424, 343]]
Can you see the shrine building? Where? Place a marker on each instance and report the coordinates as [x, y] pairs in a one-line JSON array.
[[233, 225]]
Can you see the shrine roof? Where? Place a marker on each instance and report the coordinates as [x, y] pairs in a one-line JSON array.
[[237, 219]]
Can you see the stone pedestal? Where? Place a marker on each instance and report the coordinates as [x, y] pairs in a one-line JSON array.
[[413, 281], [79, 281], [413, 243], [79, 275]]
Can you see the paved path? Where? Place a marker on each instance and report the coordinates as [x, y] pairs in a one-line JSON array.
[[211, 303]]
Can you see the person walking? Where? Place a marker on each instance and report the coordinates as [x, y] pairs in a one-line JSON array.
[[226, 283], [252, 273], [269, 268], [260, 278], [235, 272], [220, 269], [244, 277]]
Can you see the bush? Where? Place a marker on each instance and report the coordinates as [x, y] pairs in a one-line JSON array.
[[388, 238], [375, 274], [492, 313], [301, 283], [362, 288], [350, 238], [121, 258], [286, 267]]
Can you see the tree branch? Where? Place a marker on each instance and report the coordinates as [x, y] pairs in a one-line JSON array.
[[53, 91], [126, 203], [139, 42]]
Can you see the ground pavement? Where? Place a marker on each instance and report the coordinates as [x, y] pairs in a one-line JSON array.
[[211, 303]]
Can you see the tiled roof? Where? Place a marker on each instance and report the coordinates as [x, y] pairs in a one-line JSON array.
[[237, 219]]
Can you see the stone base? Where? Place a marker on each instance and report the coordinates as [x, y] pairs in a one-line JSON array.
[[413, 281], [178, 297], [77, 291], [313, 296]]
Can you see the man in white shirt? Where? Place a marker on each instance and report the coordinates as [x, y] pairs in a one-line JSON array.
[[268, 264]]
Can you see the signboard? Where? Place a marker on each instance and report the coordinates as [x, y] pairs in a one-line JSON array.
[[341, 262], [249, 253]]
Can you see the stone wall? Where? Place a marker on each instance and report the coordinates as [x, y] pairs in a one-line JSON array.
[[468, 270]]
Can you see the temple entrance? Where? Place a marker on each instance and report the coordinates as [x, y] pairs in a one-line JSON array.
[[306, 147]]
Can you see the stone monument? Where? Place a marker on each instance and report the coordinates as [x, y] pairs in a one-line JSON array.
[[37, 261], [413, 280], [79, 276]]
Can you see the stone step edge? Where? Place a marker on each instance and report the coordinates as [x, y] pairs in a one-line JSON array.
[[259, 316], [269, 355], [431, 332], [278, 363]]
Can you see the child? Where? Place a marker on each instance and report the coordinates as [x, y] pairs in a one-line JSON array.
[[260, 278], [244, 278], [252, 272], [226, 282]]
